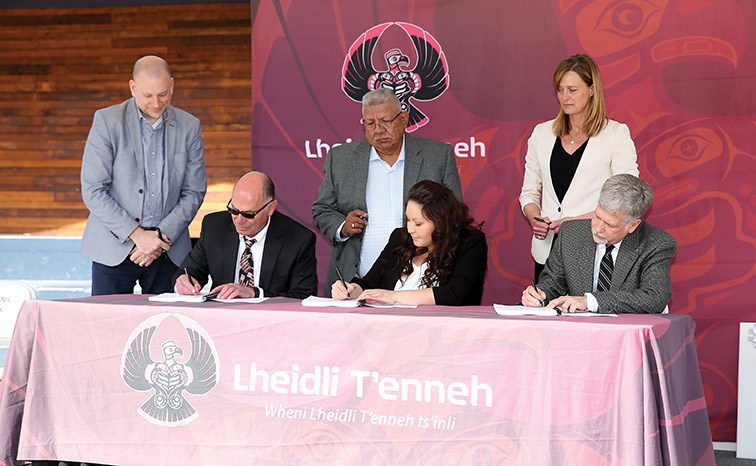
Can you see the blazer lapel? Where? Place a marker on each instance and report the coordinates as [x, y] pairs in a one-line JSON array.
[[169, 126], [272, 249], [135, 134], [626, 258], [360, 166], [230, 253], [585, 260], [412, 164]]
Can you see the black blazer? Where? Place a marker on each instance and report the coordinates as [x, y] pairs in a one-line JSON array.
[[288, 268], [464, 287]]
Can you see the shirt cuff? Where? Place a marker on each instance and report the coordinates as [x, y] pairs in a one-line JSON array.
[[259, 293], [592, 304], [338, 236]]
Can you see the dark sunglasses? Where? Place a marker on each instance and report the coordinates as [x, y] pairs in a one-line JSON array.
[[246, 214]]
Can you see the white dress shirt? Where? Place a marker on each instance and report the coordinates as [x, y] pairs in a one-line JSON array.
[[384, 196], [600, 250], [257, 255]]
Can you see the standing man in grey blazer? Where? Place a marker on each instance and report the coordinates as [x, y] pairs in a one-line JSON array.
[[143, 179], [365, 185], [613, 263]]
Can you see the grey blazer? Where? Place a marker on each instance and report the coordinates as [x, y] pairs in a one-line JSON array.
[[112, 182], [640, 281], [345, 183]]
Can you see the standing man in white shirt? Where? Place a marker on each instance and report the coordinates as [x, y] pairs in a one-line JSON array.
[[365, 184]]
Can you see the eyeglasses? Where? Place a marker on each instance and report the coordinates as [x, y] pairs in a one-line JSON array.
[[246, 214], [371, 125]]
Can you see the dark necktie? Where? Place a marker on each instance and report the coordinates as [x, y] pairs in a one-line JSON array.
[[246, 265], [605, 270]]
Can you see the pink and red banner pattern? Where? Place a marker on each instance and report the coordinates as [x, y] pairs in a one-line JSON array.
[[681, 75], [284, 384]]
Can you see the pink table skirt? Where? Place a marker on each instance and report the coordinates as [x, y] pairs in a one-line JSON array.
[[118, 380]]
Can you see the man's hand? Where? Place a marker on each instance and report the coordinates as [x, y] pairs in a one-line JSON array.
[[569, 303], [141, 259], [233, 290], [354, 223], [533, 298], [149, 243], [187, 285]]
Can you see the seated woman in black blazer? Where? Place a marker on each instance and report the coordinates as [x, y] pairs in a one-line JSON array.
[[439, 258]]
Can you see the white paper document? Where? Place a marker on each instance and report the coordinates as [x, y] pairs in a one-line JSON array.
[[239, 300], [317, 301], [199, 298], [178, 298], [506, 310]]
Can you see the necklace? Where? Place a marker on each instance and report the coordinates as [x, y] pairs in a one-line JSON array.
[[572, 138]]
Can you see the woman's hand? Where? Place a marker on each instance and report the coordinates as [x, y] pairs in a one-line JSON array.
[[540, 226], [378, 296], [339, 292]]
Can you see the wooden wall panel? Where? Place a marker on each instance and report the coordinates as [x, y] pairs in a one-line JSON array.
[[57, 66]]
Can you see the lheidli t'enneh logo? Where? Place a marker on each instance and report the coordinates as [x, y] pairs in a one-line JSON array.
[[168, 378], [426, 81]]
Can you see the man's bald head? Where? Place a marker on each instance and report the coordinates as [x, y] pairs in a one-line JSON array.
[[152, 66], [253, 193]]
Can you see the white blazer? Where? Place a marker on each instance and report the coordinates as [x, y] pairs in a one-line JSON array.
[[608, 153]]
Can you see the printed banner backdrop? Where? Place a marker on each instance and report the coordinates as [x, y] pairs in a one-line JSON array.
[[680, 74]]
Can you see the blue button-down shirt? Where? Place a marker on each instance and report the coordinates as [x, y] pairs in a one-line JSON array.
[[153, 145]]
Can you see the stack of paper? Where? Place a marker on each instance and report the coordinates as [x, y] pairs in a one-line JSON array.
[[316, 301], [504, 310], [201, 297]]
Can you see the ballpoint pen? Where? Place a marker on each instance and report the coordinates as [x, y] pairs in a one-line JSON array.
[[343, 282], [188, 277], [540, 301]]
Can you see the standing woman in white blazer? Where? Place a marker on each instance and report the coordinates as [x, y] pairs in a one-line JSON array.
[[570, 157]]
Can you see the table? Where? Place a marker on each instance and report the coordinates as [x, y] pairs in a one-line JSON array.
[[121, 380]]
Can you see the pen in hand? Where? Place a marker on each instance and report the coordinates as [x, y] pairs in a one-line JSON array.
[[343, 282], [188, 277], [540, 301]]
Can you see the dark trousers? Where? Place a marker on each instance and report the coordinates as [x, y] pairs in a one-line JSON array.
[[122, 278]]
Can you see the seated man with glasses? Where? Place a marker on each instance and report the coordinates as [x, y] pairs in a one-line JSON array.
[[364, 190], [251, 250]]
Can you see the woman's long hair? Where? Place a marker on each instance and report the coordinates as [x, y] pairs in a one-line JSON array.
[[588, 71], [449, 217]]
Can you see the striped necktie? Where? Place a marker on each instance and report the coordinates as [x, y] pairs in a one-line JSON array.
[[605, 270], [246, 265]]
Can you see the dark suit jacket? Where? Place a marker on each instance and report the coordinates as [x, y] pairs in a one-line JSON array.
[[464, 287], [345, 182], [640, 281], [288, 266]]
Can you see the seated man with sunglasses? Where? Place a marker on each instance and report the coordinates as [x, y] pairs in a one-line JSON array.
[[251, 250]]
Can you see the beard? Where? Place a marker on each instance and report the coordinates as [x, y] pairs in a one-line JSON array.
[[599, 239]]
